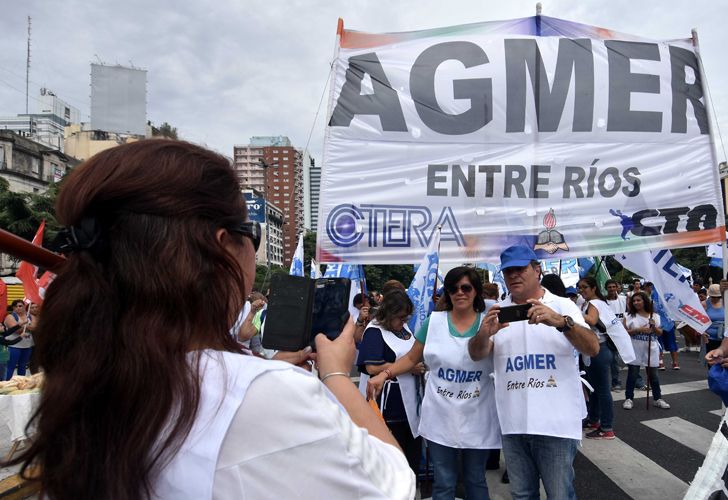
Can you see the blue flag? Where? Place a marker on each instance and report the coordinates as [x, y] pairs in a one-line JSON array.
[[297, 262], [422, 288]]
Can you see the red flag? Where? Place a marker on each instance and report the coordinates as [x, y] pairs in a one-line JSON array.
[[3, 296], [27, 271]]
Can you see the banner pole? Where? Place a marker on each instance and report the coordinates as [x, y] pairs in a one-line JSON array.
[[708, 107], [437, 267]]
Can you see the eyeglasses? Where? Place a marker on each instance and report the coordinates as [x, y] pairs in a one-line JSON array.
[[249, 230], [466, 288]]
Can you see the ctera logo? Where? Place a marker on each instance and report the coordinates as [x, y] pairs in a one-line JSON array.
[[389, 225]]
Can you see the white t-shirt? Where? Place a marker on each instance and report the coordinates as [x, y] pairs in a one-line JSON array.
[[641, 341], [618, 306], [291, 439]]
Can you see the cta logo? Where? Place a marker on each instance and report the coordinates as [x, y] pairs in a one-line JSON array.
[[390, 226]]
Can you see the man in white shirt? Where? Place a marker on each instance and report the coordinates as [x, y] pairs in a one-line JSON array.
[[537, 385]]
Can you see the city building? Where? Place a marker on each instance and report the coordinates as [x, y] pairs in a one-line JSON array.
[[270, 218], [82, 142], [47, 125], [314, 176], [273, 160], [30, 166]]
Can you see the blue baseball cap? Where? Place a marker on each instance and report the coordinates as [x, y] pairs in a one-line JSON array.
[[517, 256], [571, 291]]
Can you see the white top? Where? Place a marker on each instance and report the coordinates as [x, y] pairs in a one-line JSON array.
[[537, 383], [242, 315], [458, 409], [286, 438], [618, 306], [641, 341]]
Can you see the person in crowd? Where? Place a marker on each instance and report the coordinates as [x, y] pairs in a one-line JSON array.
[[490, 294], [256, 343], [386, 339], [554, 284], [146, 394], [697, 286], [643, 325], [377, 297], [714, 308], [243, 329], [33, 322], [703, 295], [600, 412], [458, 415], [572, 294], [19, 352], [541, 421], [392, 285], [636, 287], [618, 304], [361, 303], [668, 342]]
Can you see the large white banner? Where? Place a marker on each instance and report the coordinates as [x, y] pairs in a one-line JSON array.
[[680, 301], [572, 139]]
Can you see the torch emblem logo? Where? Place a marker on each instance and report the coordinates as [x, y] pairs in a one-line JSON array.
[[550, 240]]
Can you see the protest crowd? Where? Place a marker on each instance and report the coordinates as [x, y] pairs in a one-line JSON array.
[[161, 373]]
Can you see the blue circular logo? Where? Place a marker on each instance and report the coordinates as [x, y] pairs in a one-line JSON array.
[[341, 225]]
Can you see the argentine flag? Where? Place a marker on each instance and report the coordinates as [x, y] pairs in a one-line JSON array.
[[422, 288], [315, 270], [297, 262]]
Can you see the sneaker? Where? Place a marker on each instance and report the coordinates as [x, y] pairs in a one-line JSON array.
[[589, 425], [617, 387], [662, 367], [600, 434], [661, 403], [643, 388], [676, 367], [628, 404]]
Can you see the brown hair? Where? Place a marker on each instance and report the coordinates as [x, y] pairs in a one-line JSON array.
[[490, 291], [392, 285], [394, 304], [121, 322], [647, 301]]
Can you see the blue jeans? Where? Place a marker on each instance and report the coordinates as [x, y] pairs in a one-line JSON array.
[[530, 456], [614, 368], [19, 358], [445, 463], [600, 402], [632, 372]]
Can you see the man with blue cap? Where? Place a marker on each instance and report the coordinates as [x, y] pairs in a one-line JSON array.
[[537, 384]]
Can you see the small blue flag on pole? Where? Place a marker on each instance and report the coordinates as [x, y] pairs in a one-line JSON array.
[[422, 288], [297, 262]]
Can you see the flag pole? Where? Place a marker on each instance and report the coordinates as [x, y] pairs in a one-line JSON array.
[[25, 250], [437, 267]]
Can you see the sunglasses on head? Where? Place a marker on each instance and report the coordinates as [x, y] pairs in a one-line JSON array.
[[249, 230], [466, 288]]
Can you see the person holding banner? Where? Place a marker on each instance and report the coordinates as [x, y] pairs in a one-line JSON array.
[[386, 339], [537, 384], [146, 394], [643, 324], [458, 415], [600, 412]]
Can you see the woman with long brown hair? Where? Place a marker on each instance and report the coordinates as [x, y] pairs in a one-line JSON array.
[[146, 394]]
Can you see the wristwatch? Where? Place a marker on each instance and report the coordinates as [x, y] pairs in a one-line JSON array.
[[568, 324]]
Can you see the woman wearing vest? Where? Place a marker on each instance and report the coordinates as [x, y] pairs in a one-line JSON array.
[[458, 415], [19, 352], [146, 393], [386, 339], [714, 308], [600, 412], [643, 325]]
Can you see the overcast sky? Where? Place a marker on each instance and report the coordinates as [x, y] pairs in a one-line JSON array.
[[226, 70]]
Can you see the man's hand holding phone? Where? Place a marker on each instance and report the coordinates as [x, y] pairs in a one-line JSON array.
[[717, 357]]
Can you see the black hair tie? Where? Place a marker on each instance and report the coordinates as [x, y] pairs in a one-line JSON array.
[[86, 235]]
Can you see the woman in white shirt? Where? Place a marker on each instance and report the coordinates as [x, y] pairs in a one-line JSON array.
[[146, 393], [643, 325]]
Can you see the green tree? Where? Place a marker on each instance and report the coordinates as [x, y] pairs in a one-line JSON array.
[[22, 213], [165, 130]]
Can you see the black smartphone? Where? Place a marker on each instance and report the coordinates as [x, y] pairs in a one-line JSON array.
[[330, 306], [299, 308], [509, 314]]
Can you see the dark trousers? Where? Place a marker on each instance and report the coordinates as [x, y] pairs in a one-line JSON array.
[[411, 446]]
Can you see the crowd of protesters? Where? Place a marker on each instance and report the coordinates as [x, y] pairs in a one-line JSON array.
[[167, 399]]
